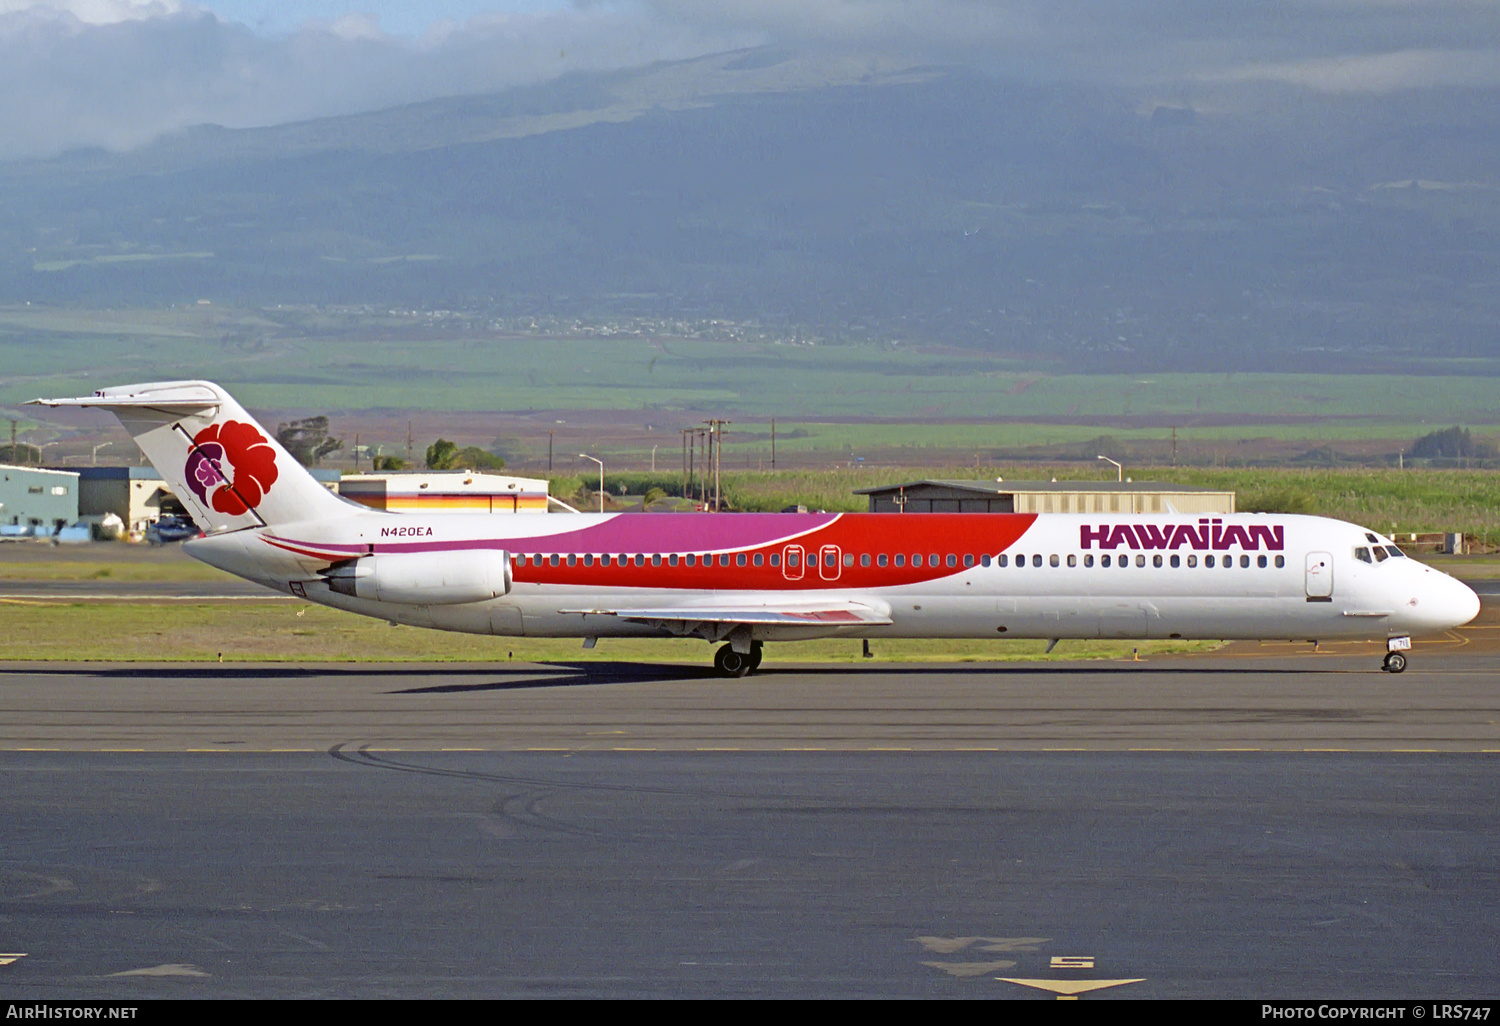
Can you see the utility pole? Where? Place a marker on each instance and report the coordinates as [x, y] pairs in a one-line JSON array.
[[356, 452], [773, 443], [1174, 446], [409, 456], [549, 452], [716, 455]]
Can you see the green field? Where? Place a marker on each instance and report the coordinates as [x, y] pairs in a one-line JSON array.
[[305, 359]]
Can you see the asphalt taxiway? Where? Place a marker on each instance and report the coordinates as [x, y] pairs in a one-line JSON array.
[[1266, 822]]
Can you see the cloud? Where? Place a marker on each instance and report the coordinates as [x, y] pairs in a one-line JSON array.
[[117, 73]]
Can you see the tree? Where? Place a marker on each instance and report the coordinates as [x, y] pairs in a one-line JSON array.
[[441, 455], [446, 455], [472, 457], [307, 440], [1451, 443], [389, 463]]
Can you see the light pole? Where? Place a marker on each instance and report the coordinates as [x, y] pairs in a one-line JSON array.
[[94, 459], [1119, 470], [653, 459], [586, 456]]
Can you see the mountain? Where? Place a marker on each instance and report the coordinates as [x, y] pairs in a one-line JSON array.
[[847, 198]]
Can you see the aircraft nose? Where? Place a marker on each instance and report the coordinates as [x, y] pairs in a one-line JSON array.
[[1447, 602]]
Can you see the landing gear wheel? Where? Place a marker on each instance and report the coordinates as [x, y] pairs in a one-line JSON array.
[[757, 649], [1395, 662], [730, 663]]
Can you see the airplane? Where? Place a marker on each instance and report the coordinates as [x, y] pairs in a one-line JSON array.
[[740, 580]]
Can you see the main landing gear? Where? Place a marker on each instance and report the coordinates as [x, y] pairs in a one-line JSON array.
[[730, 663]]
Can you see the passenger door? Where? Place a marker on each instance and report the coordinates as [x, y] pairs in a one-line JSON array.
[[1319, 577]]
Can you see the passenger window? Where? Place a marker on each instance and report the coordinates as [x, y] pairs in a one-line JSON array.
[[848, 559], [830, 560], [1104, 560], [1260, 561], [1362, 554], [656, 559], [1280, 562], [588, 559], [916, 559], [900, 559], [1002, 559], [1036, 559], [1192, 561], [691, 559], [572, 559], [640, 560], [672, 559], [739, 559], [758, 559], [968, 559], [1156, 561], [1072, 559], [1176, 561], [1140, 560], [1244, 562], [724, 559], [933, 560], [1208, 561], [1088, 559], [793, 559], [1053, 560], [554, 559], [1020, 560], [881, 560], [775, 559], [984, 559], [1228, 562], [952, 559]]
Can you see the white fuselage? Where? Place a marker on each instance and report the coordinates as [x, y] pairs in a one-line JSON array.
[[1063, 576]]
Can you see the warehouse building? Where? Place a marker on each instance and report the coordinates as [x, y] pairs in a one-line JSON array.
[[36, 501], [134, 494], [446, 492], [1001, 496]]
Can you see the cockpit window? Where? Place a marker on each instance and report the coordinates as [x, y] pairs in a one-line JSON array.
[[1370, 538], [1393, 551], [1380, 556], [1362, 554]]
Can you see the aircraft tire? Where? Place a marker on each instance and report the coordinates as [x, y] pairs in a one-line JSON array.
[[757, 650], [730, 663], [1395, 662]]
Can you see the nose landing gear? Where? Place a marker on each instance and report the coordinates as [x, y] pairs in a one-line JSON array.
[[730, 663], [1395, 661]]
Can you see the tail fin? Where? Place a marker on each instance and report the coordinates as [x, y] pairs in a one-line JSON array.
[[223, 465]]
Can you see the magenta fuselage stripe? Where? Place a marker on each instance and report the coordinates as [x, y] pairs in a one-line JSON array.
[[932, 538]]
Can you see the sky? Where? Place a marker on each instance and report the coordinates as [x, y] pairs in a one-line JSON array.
[[118, 73]]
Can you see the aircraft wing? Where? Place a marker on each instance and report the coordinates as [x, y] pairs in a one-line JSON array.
[[826, 614]]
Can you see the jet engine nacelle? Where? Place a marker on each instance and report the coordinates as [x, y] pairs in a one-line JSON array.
[[423, 578]]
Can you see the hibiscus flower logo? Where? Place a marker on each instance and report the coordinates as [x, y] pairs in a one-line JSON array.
[[231, 448]]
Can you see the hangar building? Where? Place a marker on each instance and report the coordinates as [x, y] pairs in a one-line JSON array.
[[1002, 496], [37, 501]]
